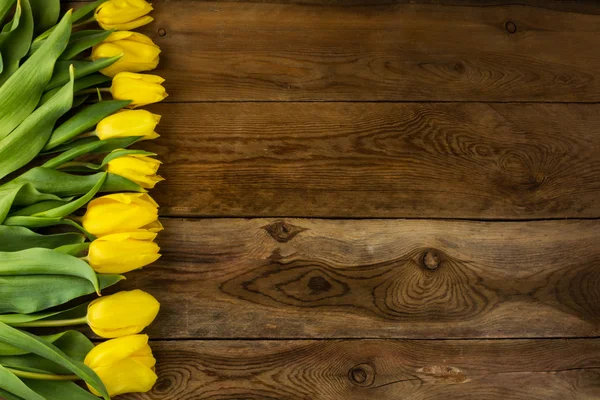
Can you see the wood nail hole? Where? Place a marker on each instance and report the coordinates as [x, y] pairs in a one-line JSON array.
[[510, 26], [362, 375], [162, 32], [431, 260]]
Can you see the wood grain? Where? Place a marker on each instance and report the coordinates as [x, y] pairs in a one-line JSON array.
[[215, 51], [444, 160], [302, 278], [377, 369]]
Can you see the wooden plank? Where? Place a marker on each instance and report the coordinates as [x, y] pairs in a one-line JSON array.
[[302, 278], [401, 52], [377, 370], [582, 6], [444, 160]]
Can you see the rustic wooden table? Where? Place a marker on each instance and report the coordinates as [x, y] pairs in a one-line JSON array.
[[377, 200]]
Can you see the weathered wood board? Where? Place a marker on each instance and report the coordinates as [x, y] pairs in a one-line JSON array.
[[396, 52], [378, 369], [302, 278], [441, 160]]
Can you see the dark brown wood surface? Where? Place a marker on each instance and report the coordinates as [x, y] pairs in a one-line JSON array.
[[378, 369], [443, 160], [400, 52], [301, 278], [471, 128]]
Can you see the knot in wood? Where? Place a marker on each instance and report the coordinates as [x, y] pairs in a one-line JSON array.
[[162, 32], [510, 27], [362, 375], [318, 284], [431, 260], [282, 231]]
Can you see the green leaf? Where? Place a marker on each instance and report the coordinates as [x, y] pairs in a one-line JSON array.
[[39, 222], [45, 14], [83, 40], [86, 10], [20, 193], [57, 390], [4, 395], [13, 385], [38, 261], [22, 91], [13, 23], [83, 121], [66, 209], [47, 350], [84, 149], [37, 208], [5, 6], [77, 146], [33, 293], [8, 350], [14, 43], [82, 68], [82, 83], [63, 184], [80, 13], [16, 238], [70, 145], [25, 142], [114, 155], [73, 249], [73, 343], [26, 320], [79, 100]]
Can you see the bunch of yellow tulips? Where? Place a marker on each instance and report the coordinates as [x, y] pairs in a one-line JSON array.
[[106, 221]]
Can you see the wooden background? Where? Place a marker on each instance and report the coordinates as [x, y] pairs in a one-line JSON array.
[[378, 200]]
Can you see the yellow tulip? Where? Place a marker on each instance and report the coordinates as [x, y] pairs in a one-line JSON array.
[[139, 52], [125, 365], [123, 15], [141, 89], [121, 314], [137, 168], [121, 212], [119, 253], [155, 227], [128, 123]]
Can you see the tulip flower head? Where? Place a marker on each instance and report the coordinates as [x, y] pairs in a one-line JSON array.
[[141, 89], [137, 168], [121, 212], [128, 123], [123, 15], [125, 365], [138, 50], [121, 314], [123, 252]]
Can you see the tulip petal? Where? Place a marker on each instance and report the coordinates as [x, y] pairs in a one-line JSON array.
[[127, 376], [114, 350], [128, 212], [122, 314], [128, 123], [129, 25]]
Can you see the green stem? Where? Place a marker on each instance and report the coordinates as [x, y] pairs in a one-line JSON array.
[[51, 323], [87, 134], [87, 21], [93, 91], [74, 218], [43, 377]]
